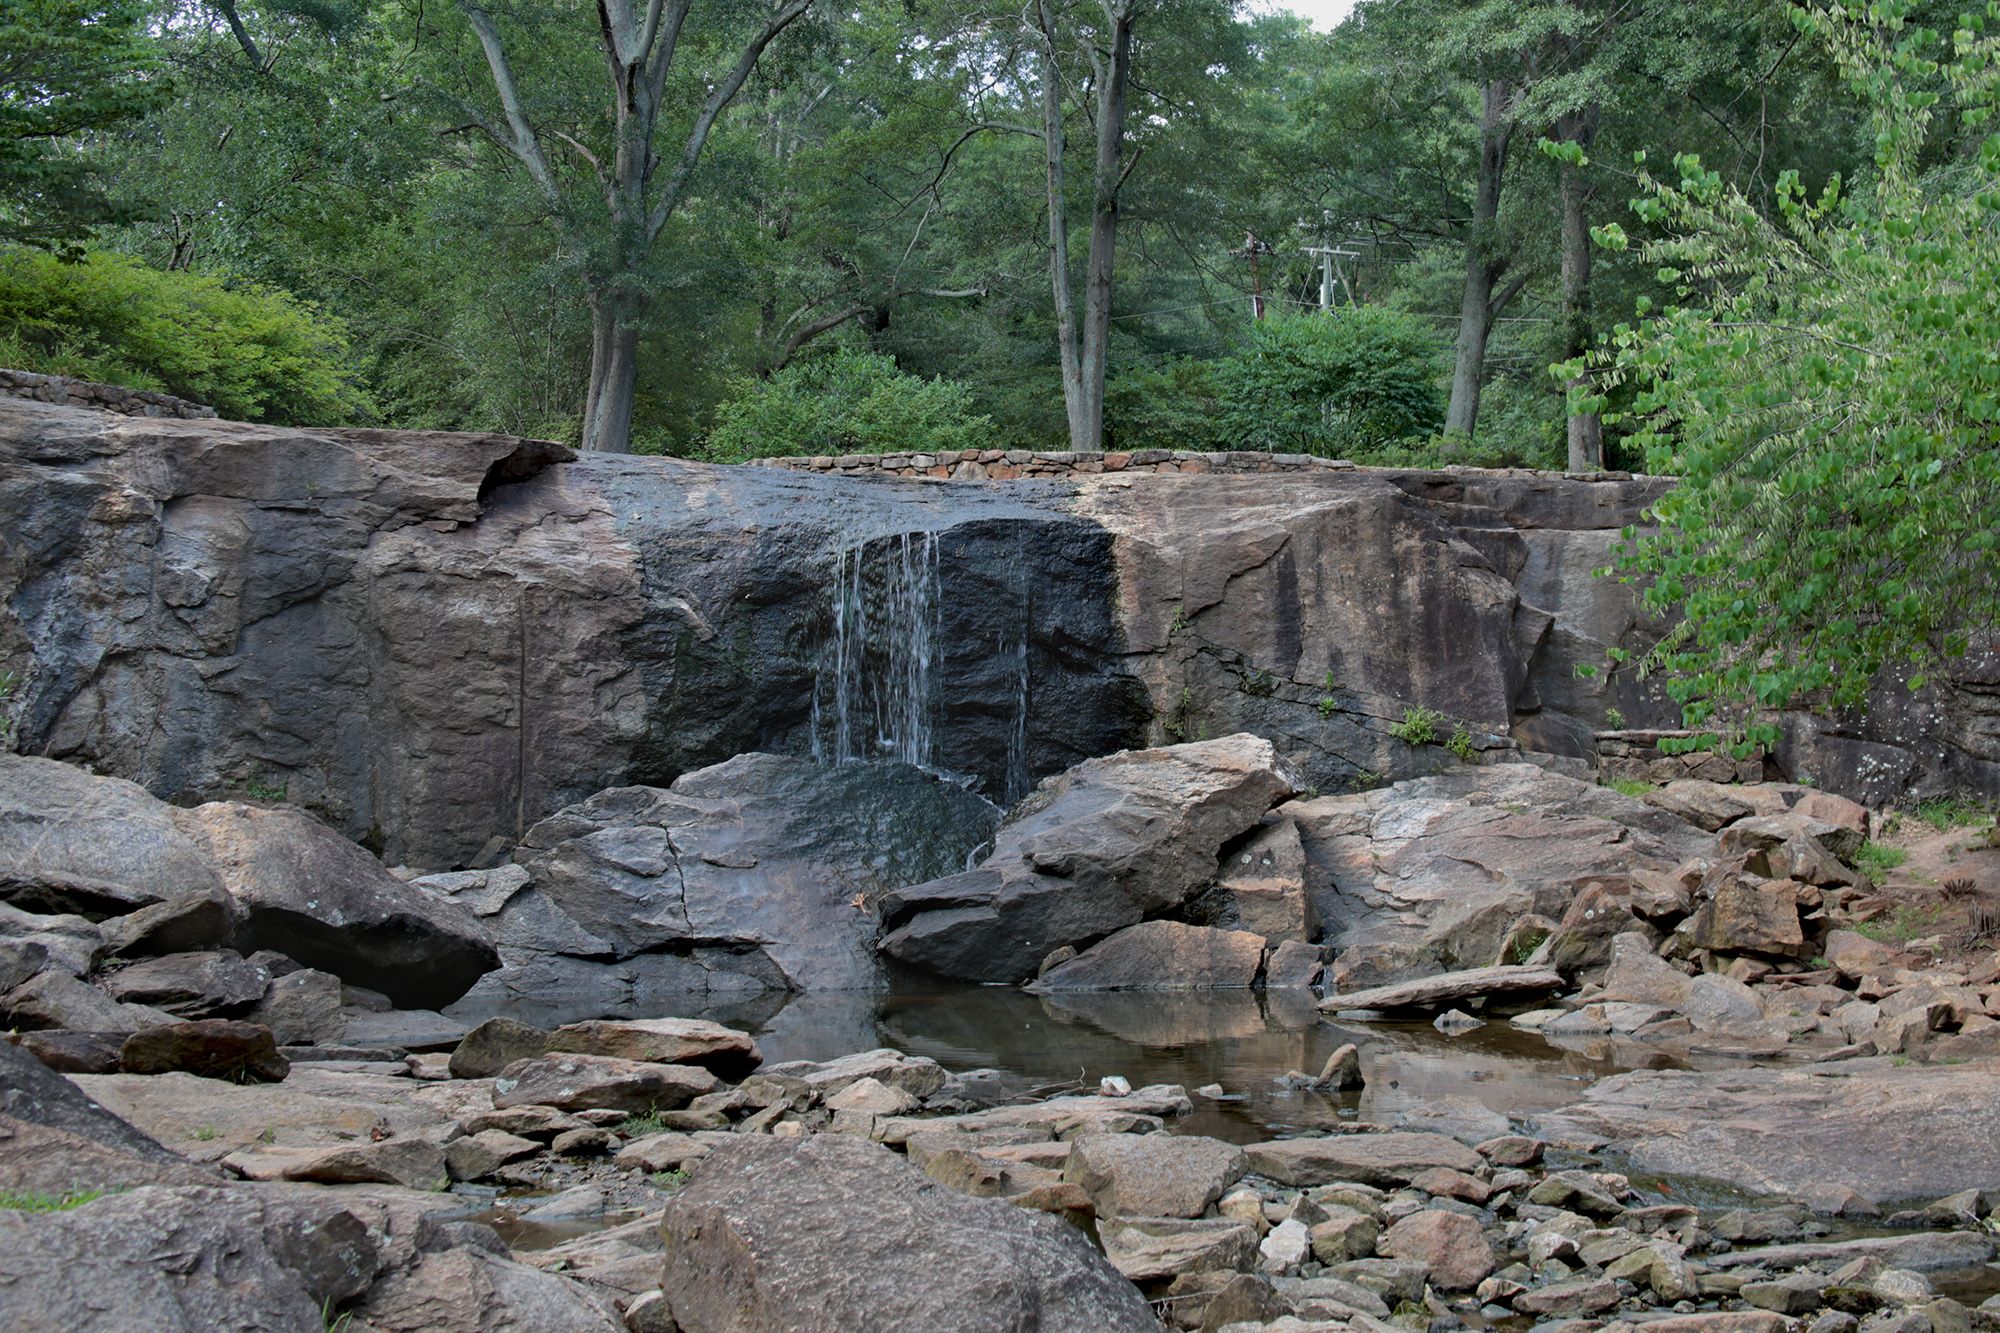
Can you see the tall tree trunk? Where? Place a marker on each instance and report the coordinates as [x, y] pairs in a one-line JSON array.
[[1107, 176], [1083, 342], [1483, 267], [1053, 144], [1586, 429], [614, 374]]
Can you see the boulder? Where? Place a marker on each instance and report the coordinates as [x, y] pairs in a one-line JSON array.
[[31, 1093], [1294, 966], [183, 1260], [1450, 1245], [205, 918], [1443, 991], [1262, 887], [191, 985], [1161, 955], [495, 1044], [74, 1052], [74, 842], [918, 1075], [816, 1233], [599, 1083], [408, 1160], [1103, 846], [59, 1000], [779, 859], [1432, 874], [1150, 1251], [1384, 1159], [1751, 917], [302, 1008], [468, 1289], [310, 894], [1810, 1133], [674, 1041], [68, 942], [218, 1048], [1153, 1175]]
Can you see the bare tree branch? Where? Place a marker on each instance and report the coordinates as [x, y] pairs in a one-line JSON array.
[[523, 143]]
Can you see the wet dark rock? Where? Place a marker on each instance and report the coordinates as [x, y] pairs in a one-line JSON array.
[[815, 1233], [217, 1048], [1105, 845], [767, 870]]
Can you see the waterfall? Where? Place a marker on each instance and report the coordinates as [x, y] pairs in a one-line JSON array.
[[874, 696]]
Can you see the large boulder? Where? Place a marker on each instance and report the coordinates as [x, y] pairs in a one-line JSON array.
[[1813, 1133], [312, 895], [775, 865], [1430, 875], [817, 1234], [1108, 844], [73, 842], [183, 1260]]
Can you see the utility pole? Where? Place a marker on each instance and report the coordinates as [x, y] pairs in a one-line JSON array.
[[1327, 268], [1254, 249]]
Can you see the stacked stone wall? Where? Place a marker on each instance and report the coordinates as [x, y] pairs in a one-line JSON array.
[[67, 392], [1009, 464]]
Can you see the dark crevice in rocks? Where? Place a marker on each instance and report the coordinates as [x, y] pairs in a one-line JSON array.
[[527, 461]]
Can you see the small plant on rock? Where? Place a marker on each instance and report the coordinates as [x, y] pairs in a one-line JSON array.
[[1633, 787], [1945, 813], [1418, 727], [1461, 744], [35, 1201], [1614, 719], [640, 1126], [1879, 860], [670, 1180]]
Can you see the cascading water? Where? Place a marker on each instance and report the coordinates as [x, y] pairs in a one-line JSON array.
[[874, 697]]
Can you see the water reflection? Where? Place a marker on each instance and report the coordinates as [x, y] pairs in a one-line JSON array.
[[1242, 1040]]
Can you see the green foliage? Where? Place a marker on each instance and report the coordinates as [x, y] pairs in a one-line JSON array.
[[1460, 745], [1826, 384], [264, 791], [1878, 859], [1522, 947], [1942, 813], [9, 683], [1614, 719], [71, 68], [204, 1133], [1339, 384], [1419, 726], [252, 353], [641, 1126], [846, 403], [1908, 922], [1632, 787], [1178, 404], [35, 1201], [670, 1180]]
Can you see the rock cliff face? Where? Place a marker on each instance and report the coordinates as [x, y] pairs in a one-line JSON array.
[[435, 640]]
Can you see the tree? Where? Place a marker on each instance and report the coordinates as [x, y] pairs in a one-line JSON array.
[[639, 49], [68, 69], [845, 403], [1826, 386]]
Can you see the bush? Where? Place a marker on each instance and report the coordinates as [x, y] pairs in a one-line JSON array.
[[1344, 383], [1176, 405], [846, 403], [250, 352]]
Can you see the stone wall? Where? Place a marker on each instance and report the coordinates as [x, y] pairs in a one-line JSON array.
[[1636, 756], [1009, 464], [66, 392]]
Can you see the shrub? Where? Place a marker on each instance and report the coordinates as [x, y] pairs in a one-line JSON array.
[[1418, 727], [1360, 378], [1461, 744], [844, 403], [250, 352], [1175, 405]]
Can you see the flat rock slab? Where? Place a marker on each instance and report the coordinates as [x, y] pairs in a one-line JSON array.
[[1886, 1133], [204, 1118], [831, 1233], [1058, 1118], [1153, 1175], [673, 1041], [1389, 1160], [599, 1083], [1447, 989], [1923, 1252]]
